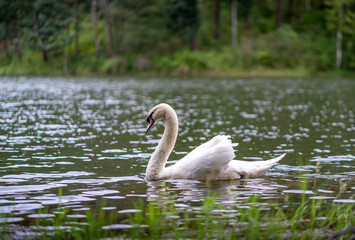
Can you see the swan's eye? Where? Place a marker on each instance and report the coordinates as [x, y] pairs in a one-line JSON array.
[[150, 117]]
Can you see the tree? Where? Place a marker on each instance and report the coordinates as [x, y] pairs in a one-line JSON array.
[[10, 31], [95, 27], [216, 19], [339, 51], [308, 5], [279, 17], [45, 28], [139, 26], [248, 5], [341, 20], [183, 20], [107, 19], [234, 23], [78, 7]]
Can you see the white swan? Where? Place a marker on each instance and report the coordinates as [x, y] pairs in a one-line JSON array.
[[212, 160]]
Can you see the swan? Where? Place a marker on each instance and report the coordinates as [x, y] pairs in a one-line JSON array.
[[212, 160]]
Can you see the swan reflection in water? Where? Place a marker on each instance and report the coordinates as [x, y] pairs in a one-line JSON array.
[[226, 192]]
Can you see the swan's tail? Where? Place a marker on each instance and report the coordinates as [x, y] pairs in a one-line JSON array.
[[250, 169], [274, 160]]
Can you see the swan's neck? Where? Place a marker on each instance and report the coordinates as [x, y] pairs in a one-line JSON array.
[[161, 154]]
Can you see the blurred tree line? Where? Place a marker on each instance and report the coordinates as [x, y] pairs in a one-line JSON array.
[[115, 36]]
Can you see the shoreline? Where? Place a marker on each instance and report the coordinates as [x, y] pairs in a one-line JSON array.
[[258, 73]]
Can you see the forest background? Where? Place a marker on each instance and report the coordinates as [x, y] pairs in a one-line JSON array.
[[177, 37]]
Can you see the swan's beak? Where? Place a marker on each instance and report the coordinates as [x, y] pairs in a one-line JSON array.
[[150, 125], [151, 122]]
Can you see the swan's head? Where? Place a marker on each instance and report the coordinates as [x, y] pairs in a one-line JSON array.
[[157, 113]]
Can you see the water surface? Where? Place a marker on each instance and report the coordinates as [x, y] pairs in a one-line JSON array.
[[76, 141]]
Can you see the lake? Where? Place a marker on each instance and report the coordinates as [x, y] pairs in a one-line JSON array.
[[76, 141]]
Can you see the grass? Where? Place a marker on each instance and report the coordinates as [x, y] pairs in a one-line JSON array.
[[305, 219], [33, 65], [308, 220]]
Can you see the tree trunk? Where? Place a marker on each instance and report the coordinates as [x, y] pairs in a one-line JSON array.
[[308, 5], [45, 55], [248, 25], [5, 46], [339, 52], [76, 35], [64, 52], [298, 11], [194, 45], [18, 36], [107, 27], [18, 46], [77, 27], [94, 23], [15, 35], [234, 23], [269, 3], [216, 17], [290, 10], [64, 56], [279, 20]]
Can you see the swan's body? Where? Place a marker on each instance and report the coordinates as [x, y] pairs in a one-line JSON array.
[[212, 160]]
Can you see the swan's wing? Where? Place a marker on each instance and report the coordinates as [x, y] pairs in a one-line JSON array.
[[209, 158], [219, 148], [253, 168]]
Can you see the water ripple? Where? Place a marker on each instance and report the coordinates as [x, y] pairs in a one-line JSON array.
[[77, 140]]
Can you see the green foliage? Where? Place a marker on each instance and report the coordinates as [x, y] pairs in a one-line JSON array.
[[44, 29], [139, 26], [282, 49], [173, 37], [183, 19], [8, 13], [311, 218], [113, 65], [252, 219], [340, 17], [30, 64]]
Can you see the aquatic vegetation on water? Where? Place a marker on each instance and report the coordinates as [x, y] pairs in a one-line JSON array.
[[310, 219]]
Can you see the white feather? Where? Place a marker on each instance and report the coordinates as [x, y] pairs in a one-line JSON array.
[[203, 162]]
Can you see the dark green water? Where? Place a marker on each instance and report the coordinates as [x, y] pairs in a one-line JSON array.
[[87, 137]]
